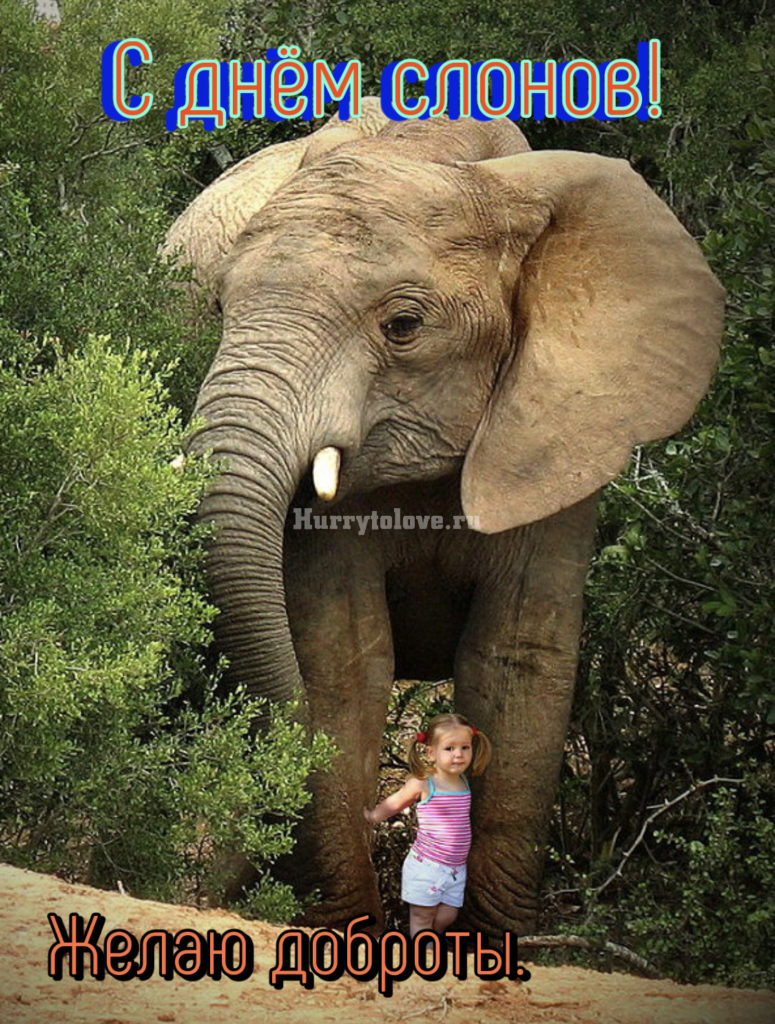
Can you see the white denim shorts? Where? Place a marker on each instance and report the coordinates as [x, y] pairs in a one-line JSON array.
[[426, 883]]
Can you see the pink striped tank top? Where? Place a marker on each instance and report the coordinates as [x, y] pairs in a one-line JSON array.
[[444, 826]]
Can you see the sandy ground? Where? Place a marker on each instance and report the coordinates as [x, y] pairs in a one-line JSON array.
[[557, 995]]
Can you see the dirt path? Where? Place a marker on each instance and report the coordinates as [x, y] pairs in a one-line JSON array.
[[556, 995]]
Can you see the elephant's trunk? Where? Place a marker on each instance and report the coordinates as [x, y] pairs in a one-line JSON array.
[[261, 461]]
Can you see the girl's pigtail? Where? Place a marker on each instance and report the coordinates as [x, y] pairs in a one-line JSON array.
[[414, 757], [482, 752]]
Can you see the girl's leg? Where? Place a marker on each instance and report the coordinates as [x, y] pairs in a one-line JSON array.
[[444, 917], [421, 919]]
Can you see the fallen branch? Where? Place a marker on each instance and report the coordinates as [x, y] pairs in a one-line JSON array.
[[602, 946]]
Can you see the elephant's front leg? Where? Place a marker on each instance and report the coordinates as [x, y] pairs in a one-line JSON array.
[[335, 588], [515, 676]]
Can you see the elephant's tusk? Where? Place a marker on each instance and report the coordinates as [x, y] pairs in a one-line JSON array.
[[325, 472]]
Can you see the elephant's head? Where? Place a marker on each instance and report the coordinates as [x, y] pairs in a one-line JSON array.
[[430, 298]]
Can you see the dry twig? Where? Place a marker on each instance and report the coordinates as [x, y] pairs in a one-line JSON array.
[[659, 810], [443, 1005], [579, 942]]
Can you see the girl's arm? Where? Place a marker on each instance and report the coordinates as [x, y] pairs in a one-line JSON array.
[[403, 797]]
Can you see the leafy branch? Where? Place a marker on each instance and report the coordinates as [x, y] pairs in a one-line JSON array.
[[653, 816]]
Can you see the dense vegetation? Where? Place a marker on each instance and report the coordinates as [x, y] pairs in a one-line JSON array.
[[120, 761], [110, 727]]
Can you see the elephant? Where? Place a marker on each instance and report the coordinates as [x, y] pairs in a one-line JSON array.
[[427, 322]]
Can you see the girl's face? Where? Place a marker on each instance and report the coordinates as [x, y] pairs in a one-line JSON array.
[[451, 750]]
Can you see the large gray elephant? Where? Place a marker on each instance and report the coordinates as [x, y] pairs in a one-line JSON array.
[[426, 316]]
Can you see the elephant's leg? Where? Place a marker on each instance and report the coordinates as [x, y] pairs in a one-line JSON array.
[[515, 676], [335, 586]]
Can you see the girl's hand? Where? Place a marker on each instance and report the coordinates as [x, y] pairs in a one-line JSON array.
[[369, 816]]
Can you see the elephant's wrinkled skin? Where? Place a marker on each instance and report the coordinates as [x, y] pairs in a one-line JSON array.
[[474, 328]]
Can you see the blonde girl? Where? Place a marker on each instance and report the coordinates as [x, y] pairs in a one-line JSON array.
[[433, 877]]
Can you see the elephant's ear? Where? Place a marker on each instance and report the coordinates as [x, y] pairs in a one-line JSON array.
[[617, 323], [207, 229]]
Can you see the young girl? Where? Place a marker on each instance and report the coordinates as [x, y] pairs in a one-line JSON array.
[[433, 878]]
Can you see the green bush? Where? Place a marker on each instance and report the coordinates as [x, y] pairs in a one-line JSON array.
[[108, 771], [700, 905], [69, 277], [718, 888]]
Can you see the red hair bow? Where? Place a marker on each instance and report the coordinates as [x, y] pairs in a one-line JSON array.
[[421, 737]]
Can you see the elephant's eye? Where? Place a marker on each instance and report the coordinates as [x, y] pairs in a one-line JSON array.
[[403, 328]]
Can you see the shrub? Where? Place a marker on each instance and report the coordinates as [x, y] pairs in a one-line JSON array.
[[117, 761], [693, 893]]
